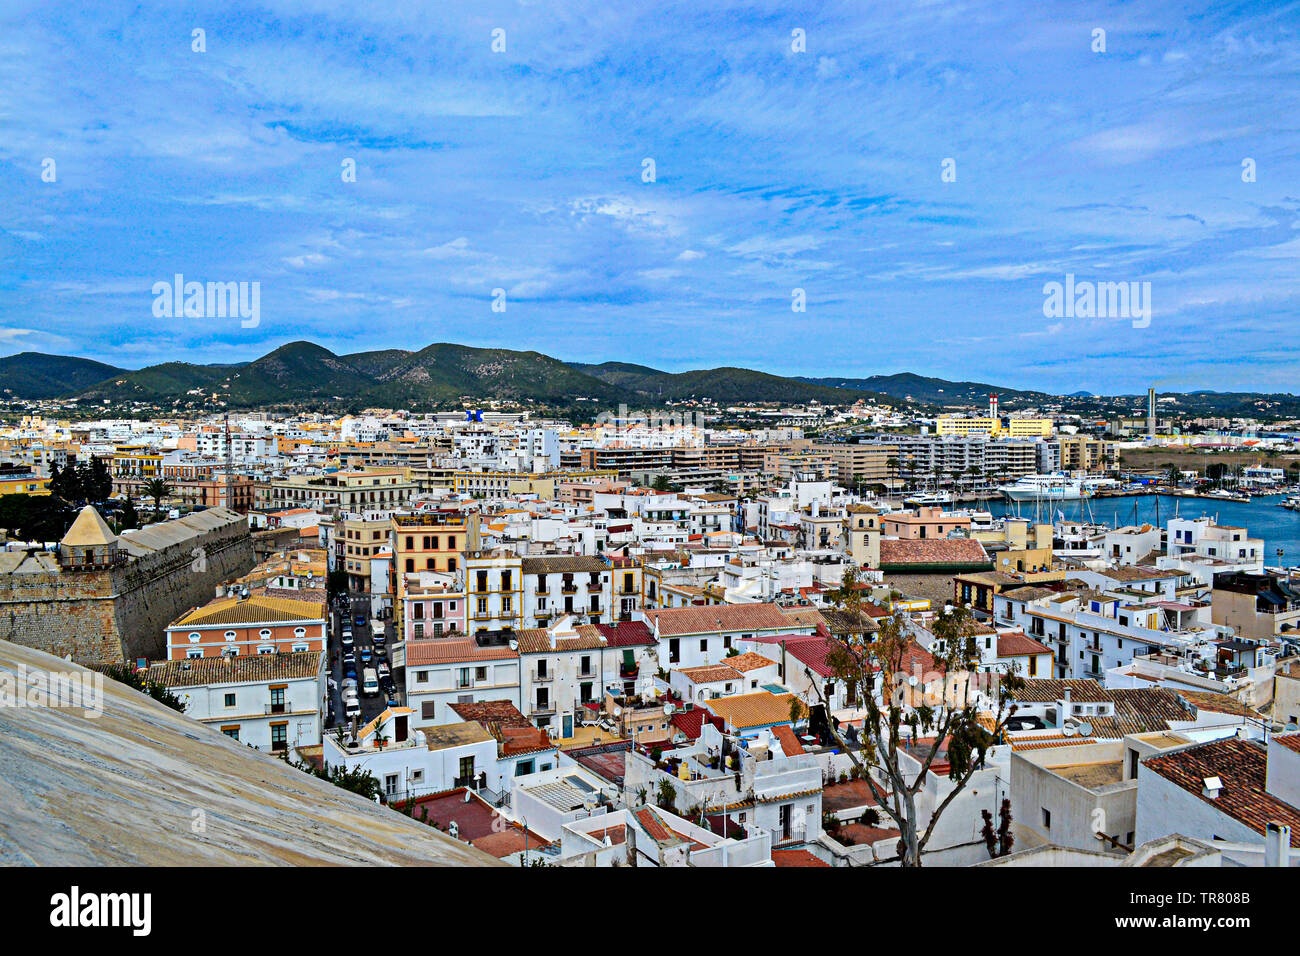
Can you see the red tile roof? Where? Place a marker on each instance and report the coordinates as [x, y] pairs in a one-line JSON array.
[[627, 634], [1241, 767], [1020, 645], [789, 742], [784, 858], [933, 551], [675, 621]]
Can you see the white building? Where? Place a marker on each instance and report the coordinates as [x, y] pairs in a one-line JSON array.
[[269, 701]]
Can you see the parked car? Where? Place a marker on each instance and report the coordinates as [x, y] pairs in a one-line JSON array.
[[359, 620], [349, 659], [383, 670], [350, 686], [347, 639], [350, 671], [381, 651], [352, 707], [366, 656]]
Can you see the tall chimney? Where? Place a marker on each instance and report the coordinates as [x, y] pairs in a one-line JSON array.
[[1151, 413]]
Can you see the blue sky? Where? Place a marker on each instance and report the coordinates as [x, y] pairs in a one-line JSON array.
[[775, 170]]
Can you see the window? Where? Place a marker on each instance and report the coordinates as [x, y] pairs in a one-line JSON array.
[[194, 652], [230, 635], [480, 673], [390, 784], [230, 700], [264, 634], [231, 732], [277, 700], [427, 710], [300, 632], [266, 649], [482, 606], [298, 648], [704, 646], [466, 769], [279, 736], [1047, 819]]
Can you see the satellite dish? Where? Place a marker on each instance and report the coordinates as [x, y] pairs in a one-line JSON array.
[[1085, 729], [668, 710], [911, 681], [1068, 730], [618, 711]]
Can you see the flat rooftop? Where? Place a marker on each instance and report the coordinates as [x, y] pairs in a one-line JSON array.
[[1094, 776]]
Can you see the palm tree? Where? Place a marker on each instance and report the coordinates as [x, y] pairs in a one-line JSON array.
[[157, 489]]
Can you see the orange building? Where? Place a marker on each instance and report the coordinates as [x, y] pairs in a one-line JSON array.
[[241, 626]]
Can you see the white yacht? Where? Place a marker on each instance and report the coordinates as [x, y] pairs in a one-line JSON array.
[[924, 498], [1045, 488]]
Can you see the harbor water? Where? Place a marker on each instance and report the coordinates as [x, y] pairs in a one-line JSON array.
[[1263, 516]]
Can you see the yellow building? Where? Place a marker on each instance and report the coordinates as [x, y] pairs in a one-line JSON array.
[[137, 461], [24, 485], [1013, 427]]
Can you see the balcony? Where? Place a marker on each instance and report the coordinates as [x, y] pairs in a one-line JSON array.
[[540, 677], [541, 709], [281, 708], [568, 588]]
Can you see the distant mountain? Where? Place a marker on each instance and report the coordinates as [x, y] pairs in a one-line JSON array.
[[35, 375], [720, 384], [932, 391], [306, 375]]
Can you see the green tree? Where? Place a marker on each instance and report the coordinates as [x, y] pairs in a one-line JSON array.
[[66, 483], [36, 517], [129, 518], [876, 667], [157, 489], [96, 481]]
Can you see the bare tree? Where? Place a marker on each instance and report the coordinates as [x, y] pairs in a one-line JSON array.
[[876, 667]]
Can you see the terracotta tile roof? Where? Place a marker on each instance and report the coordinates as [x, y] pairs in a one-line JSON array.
[[809, 617], [586, 637], [246, 667], [844, 622], [962, 552], [1241, 767], [813, 651], [1047, 691], [1139, 710], [573, 564], [1217, 703], [690, 722], [449, 651], [1019, 645], [785, 858], [790, 745], [675, 621], [627, 634], [749, 661], [252, 610], [501, 713], [753, 710], [1046, 743], [708, 674], [1289, 741], [655, 827]]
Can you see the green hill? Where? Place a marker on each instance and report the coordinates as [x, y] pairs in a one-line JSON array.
[[35, 375]]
